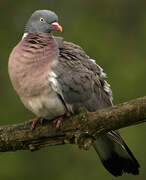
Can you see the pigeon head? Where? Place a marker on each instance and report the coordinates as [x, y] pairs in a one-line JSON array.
[[42, 21]]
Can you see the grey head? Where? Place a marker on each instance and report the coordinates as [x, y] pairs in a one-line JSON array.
[[42, 21]]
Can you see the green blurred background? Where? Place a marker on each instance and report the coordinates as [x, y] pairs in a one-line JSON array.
[[111, 31]]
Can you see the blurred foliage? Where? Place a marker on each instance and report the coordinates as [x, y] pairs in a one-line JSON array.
[[112, 32]]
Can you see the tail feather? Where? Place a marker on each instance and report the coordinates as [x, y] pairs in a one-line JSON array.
[[115, 154]]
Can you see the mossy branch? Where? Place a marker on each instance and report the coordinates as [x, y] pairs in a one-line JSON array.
[[74, 128]]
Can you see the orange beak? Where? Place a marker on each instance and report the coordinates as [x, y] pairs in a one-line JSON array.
[[57, 26]]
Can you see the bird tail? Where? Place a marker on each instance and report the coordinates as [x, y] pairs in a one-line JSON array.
[[115, 154]]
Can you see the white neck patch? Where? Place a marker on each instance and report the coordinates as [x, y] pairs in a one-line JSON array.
[[24, 35]]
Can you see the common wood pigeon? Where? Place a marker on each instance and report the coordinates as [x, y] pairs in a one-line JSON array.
[[53, 77]]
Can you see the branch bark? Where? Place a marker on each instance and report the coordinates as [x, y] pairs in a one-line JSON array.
[[74, 128]]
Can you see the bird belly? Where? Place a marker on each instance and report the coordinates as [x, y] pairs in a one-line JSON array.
[[47, 105]]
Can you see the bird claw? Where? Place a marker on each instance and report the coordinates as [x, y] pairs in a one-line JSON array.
[[58, 122], [33, 122]]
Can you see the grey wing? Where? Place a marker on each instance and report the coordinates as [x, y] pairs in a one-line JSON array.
[[80, 81], [81, 84]]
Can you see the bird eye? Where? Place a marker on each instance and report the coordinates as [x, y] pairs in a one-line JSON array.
[[41, 19]]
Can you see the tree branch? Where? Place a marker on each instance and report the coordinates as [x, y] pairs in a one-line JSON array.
[[78, 129]]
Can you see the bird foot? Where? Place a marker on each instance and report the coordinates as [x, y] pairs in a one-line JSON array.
[[33, 122], [58, 122]]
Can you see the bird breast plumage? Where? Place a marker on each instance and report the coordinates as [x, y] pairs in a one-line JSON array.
[[30, 79], [46, 105]]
